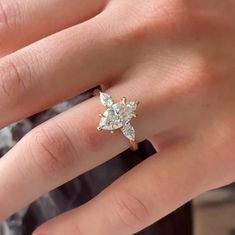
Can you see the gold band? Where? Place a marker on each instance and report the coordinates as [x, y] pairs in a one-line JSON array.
[[134, 145]]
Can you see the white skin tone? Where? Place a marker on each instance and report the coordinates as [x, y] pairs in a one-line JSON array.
[[175, 56]]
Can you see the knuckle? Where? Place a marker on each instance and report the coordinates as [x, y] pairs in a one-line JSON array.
[[198, 76], [130, 210], [16, 77], [205, 76], [51, 148], [149, 19], [10, 15], [4, 16]]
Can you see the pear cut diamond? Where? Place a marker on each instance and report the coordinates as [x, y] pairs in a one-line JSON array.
[[118, 115], [109, 121]]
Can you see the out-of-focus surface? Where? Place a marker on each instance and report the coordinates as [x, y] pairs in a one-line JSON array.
[[214, 212]]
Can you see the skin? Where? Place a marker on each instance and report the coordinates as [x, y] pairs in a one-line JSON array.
[[176, 57]]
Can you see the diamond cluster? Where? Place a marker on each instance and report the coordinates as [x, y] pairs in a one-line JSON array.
[[118, 115]]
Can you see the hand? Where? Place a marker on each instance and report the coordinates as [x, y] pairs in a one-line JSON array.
[[175, 57]]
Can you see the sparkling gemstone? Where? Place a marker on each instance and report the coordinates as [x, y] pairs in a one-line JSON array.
[[121, 111], [128, 131], [106, 99], [118, 115], [110, 121]]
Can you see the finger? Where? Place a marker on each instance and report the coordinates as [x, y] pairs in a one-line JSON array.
[[69, 145], [65, 147], [28, 21], [144, 195], [56, 152], [48, 73]]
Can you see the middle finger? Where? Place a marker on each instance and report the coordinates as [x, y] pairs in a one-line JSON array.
[[56, 68]]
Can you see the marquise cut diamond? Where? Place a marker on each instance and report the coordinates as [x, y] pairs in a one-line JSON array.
[[106, 99], [129, 131]]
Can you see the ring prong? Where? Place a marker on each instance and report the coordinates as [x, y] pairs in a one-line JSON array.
[[100, 115], [99, 128], [112, 132], [96, 92], [134, 115], [124, 100]]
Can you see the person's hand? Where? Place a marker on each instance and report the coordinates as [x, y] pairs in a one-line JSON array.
[[176, 57]]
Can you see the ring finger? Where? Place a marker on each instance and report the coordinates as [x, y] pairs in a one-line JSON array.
[[61, 149]]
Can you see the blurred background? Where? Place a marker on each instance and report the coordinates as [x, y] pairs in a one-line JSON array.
[[212, 213]]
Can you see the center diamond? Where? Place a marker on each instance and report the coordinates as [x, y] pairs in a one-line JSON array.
[[118, 115]]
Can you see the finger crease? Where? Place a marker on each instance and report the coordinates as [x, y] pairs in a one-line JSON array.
[[5, 18]]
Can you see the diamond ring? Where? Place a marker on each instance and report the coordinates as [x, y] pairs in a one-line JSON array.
[[118, 116]]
